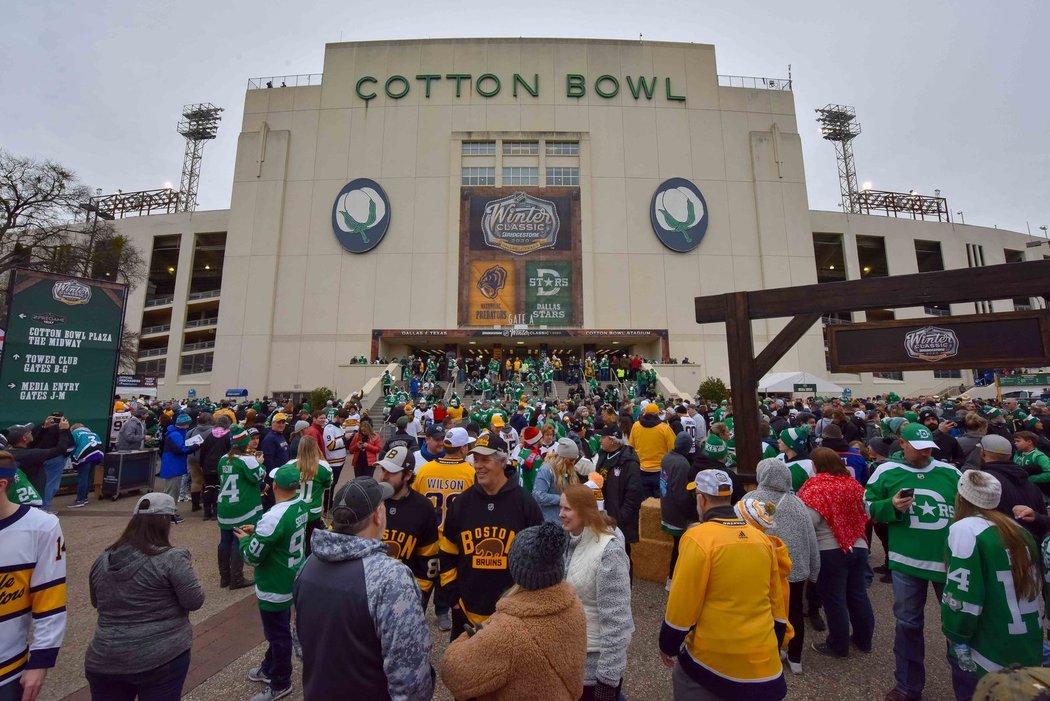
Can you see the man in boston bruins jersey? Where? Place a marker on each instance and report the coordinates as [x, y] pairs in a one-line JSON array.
[[411, 533]]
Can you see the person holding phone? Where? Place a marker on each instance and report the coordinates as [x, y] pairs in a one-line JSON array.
[[915, 497]]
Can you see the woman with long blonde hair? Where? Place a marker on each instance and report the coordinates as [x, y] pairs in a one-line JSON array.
[[316, 478], [557, 472], [990, 605], [596, 565]]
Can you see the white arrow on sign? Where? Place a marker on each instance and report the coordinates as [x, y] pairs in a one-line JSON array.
[[16, 356], [21, 316], [11, 385]]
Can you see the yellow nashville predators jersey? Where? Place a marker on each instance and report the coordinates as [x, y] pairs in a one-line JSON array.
[[441, 481], [32, 592]]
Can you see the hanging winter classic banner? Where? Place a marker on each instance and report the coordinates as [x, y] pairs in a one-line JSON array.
[[678, 214], [360, 215]]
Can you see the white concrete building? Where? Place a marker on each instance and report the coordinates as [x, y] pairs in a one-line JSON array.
[[503, 171]]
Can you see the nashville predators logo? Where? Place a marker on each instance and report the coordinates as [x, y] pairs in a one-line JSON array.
[[492, 281]]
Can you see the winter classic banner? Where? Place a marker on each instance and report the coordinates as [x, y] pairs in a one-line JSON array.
[[520, 257]]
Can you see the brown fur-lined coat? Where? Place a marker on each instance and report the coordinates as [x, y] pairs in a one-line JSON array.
[[533, 647]]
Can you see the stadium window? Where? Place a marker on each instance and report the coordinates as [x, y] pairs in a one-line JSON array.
[[947, 374], [830, 257], [888, 376], [563, 176], [521, 148], [563, 148], [479, 148], [521, 176], [192, 364], [871, 253], [479, 176]]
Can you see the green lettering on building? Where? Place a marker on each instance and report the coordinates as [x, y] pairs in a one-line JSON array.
[[575, 85], [671, 96], [427, 78], [459, 78], [361, 81], [491, 92], [533, 89], [642, 86], [613, 91], [396, 79]]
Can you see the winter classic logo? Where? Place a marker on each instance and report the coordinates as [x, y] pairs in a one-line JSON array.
[[360, 215], [71, 292], [520, 223], [678, 215], [931, 343]]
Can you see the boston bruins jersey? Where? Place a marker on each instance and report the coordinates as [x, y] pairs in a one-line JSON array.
[[411, 536]]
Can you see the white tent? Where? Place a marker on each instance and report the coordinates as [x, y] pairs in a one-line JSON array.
[[784, 383]]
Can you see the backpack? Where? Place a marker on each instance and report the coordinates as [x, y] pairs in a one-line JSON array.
[[1014, 684]]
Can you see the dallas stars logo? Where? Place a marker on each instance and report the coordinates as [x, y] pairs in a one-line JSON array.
[[929, 511]]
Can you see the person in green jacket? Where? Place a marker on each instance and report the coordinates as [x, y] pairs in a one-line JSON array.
[[277, 547], [239, 503], [1034, 461]]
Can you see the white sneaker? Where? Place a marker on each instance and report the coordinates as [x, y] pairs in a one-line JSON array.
[[255, 674], [796, 667], [271, 694], [667, 586]]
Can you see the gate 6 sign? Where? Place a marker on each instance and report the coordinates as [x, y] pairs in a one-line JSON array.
[[360, 215], [678, 215]]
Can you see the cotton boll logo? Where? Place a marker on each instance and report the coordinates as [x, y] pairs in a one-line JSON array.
[[360, 215], [678, 215]]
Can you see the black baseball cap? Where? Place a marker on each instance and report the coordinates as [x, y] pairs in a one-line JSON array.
[[436, 431], [489, 443], [358, 499], [609, 430]]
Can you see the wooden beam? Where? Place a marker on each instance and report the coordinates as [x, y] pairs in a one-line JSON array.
[[743, 382], [783, 342], [1028, 279]]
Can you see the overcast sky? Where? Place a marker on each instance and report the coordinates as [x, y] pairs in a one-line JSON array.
[[951, 94]]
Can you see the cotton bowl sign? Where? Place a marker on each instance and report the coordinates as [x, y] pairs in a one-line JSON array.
[[360, 215], [678, 214]]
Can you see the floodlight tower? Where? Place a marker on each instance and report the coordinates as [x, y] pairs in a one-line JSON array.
[[199, 124], [838, 124]]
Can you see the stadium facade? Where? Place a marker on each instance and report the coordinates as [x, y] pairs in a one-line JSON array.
[[509, 196]]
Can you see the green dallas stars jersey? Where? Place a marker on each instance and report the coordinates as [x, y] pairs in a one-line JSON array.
[[980, 606], [276, 549], [239, 501], [917, 538], [390, 400], [21, 491], [1036, 464]]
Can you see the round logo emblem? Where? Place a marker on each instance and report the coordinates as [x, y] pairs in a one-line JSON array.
[[360, 215], [678, 215]]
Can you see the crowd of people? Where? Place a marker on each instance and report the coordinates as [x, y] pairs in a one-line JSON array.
[[513, 516]]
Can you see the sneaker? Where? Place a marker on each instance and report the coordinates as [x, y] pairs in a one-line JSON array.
[[823, 649], [445, 621], [255, 674], [881, 569], [177, 519], [77, 505], [795, 667], [858, 648], [896, 694], [269, 694], [667, 586], [183, 497]]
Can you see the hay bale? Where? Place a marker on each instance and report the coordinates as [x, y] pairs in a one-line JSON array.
[[651, 559], [649, 521]]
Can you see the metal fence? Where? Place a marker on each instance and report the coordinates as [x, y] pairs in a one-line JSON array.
[[284, 81], [754, 82]]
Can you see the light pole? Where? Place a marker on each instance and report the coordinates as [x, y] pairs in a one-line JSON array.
[[962, 219]]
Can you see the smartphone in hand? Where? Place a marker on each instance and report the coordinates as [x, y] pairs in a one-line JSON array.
[[905, 493]]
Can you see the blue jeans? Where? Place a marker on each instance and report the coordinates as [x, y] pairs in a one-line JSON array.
[[844, 595], [164, 683], [964, 683], [277, 664], [909, 648], [53, 474], [227, 542], [650, 485], [84, 473]]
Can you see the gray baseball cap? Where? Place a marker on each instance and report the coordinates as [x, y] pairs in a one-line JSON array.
[[155, 503]]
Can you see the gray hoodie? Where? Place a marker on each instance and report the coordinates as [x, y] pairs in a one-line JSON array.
[[143, 604], [794, 526]]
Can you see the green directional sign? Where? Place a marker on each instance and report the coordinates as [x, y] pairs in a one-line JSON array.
[[1039, 379], [548, 293], [804, 389], [61, 349]]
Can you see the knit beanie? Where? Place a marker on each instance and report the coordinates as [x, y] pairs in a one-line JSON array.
[[537, 557], [239, 438], [890, 425], [1030, 422], [794, 437], [757, 512], [531, 435], [714, 447], [980, 489], [912, 417]]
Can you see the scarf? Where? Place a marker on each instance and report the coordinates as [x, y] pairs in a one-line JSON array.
[[839, 499]]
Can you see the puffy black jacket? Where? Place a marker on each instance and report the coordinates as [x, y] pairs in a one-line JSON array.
[[622, 488], [678, 504], [1018, 490]]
